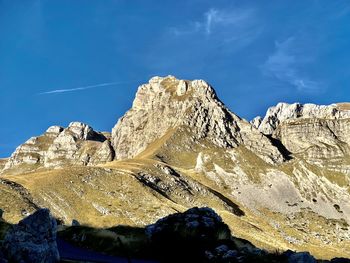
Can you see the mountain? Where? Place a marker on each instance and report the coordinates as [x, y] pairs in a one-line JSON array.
[[318, 134], [281, 181]]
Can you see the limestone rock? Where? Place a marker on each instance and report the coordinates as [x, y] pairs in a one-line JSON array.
[[33, 239], [284, 111], [77, 144], [81, 131], [181, 88], [167, 105], [319, 134], [256, 122], [55, 130]]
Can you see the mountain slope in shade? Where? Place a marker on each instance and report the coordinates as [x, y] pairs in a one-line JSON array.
[[284, 186]]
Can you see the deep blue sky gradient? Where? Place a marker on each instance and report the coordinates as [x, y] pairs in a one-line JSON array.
[[255, 54]]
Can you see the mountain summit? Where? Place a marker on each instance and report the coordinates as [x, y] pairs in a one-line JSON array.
[[281, 181], [169, 107]]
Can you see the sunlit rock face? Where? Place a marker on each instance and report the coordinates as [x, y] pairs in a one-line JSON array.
[[284, 111], [167, 104], [77, 144], [317, 133]]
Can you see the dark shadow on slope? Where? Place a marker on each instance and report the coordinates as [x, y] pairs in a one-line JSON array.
[[70, 252], [125, 243], [279, 145], [235, 208]]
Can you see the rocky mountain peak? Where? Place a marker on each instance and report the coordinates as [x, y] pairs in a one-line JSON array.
[[171, 87], [166, 105]]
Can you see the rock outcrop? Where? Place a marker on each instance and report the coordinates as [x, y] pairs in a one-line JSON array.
[[319, 134], [33, 239], [166, 105], [78, 144], [193, 225], [320, 138], [183, 237], [284, 111]]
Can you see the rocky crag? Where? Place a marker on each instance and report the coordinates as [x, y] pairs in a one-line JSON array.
[[281, 181], [78, 144]]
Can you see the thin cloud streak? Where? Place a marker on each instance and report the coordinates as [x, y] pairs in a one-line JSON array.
[[218, 21], [212, 13], [284, 64], [84, 88], [232, 18]]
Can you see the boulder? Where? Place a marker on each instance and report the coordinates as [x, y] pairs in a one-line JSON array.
[[189, 234], [33, 239]]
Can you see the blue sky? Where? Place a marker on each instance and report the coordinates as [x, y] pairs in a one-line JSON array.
[[255, 54]]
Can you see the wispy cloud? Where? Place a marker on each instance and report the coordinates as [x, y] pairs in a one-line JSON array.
[[234, 18], [218, 21], [284, 64], [84, 87], [215, 34]]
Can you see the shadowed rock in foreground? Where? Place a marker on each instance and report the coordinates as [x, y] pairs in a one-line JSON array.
[[33, 239]]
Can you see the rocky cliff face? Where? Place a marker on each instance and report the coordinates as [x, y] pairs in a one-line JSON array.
[[284, 111], [318, 134], [167, 105], [78, 144]]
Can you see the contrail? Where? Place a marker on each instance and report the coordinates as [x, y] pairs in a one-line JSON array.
[[84, 87]]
